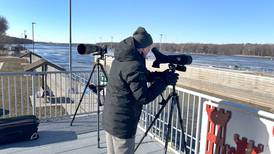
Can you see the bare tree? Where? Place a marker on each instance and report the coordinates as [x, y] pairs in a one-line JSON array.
[[3, 28], [3, 25]]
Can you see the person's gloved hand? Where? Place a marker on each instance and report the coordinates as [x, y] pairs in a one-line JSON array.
[[170, 77]]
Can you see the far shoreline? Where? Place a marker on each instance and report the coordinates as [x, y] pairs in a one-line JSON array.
[[254, 56], [210, 54]]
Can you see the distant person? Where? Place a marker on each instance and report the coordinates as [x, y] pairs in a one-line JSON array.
[[127, 91]]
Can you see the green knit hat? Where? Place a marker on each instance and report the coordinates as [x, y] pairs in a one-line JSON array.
[[142, 38]]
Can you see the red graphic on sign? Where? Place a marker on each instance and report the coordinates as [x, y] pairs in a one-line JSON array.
[[244, 147], [229, 150], [217, 123], [241, 144]]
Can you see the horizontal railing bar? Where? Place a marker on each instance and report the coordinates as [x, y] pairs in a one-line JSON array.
[[248, 110], [215, 99], [39, 73]]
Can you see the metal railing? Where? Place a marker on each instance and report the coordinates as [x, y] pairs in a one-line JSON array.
[[44, 94], [49, 95], [56, 95], [191, 109]]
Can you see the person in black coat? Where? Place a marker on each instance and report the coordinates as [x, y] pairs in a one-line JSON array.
[[127, 91]]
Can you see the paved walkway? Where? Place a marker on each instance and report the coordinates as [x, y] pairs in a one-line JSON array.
[[58, 137]]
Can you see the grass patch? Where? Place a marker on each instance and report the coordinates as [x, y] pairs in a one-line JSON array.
[[15, 91], [12, 64]]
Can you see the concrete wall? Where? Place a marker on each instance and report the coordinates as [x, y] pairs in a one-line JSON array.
[[238, 86]]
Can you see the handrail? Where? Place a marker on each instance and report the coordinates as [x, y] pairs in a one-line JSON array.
[[22, 87], [39, 73]]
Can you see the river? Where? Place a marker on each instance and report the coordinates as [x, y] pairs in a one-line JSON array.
[[59, 54]]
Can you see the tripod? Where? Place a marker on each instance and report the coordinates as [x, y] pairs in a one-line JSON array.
[[98, 87], [174, 101]]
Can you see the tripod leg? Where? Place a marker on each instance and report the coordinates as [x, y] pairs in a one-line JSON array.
[[98, 104], [169, 123], [181, 123], [103, 70], [163, 103], [82, 95], [100, 66]]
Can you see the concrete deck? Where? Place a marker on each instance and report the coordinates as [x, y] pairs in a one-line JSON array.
[[58, 137]]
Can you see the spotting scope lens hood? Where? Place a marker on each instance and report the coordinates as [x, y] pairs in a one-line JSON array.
[[179, 59]]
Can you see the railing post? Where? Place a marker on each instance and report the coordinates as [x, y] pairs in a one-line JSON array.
[[33, 95], [199, 123], [9, 96], [3, 97], [146, 118]]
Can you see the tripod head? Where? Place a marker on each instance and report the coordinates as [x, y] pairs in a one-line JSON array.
[[172, 67]]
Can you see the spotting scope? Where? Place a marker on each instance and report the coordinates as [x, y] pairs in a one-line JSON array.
[[178, 59], [91, 49]]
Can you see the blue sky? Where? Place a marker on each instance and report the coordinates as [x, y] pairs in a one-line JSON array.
[[180, 21]]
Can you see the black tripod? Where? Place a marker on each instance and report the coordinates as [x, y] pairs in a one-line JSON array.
[[96, 89], [174, 101]]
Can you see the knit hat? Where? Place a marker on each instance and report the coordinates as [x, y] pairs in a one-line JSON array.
[[142, 38]]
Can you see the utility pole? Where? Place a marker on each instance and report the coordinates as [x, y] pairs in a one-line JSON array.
[[25, 37], [111, 40], [33, 23], [70, 46], [161, 37], [32, 42]]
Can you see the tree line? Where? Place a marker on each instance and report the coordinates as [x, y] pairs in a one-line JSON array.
[[13, 40], [222, 49], [4, 39]]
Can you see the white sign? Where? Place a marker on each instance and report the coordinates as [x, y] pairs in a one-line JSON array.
[[244, 131]]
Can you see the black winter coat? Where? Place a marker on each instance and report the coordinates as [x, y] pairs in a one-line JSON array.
[[127, 91]]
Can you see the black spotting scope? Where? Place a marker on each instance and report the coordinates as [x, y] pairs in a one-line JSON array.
[[178, 59], [91, 49]]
